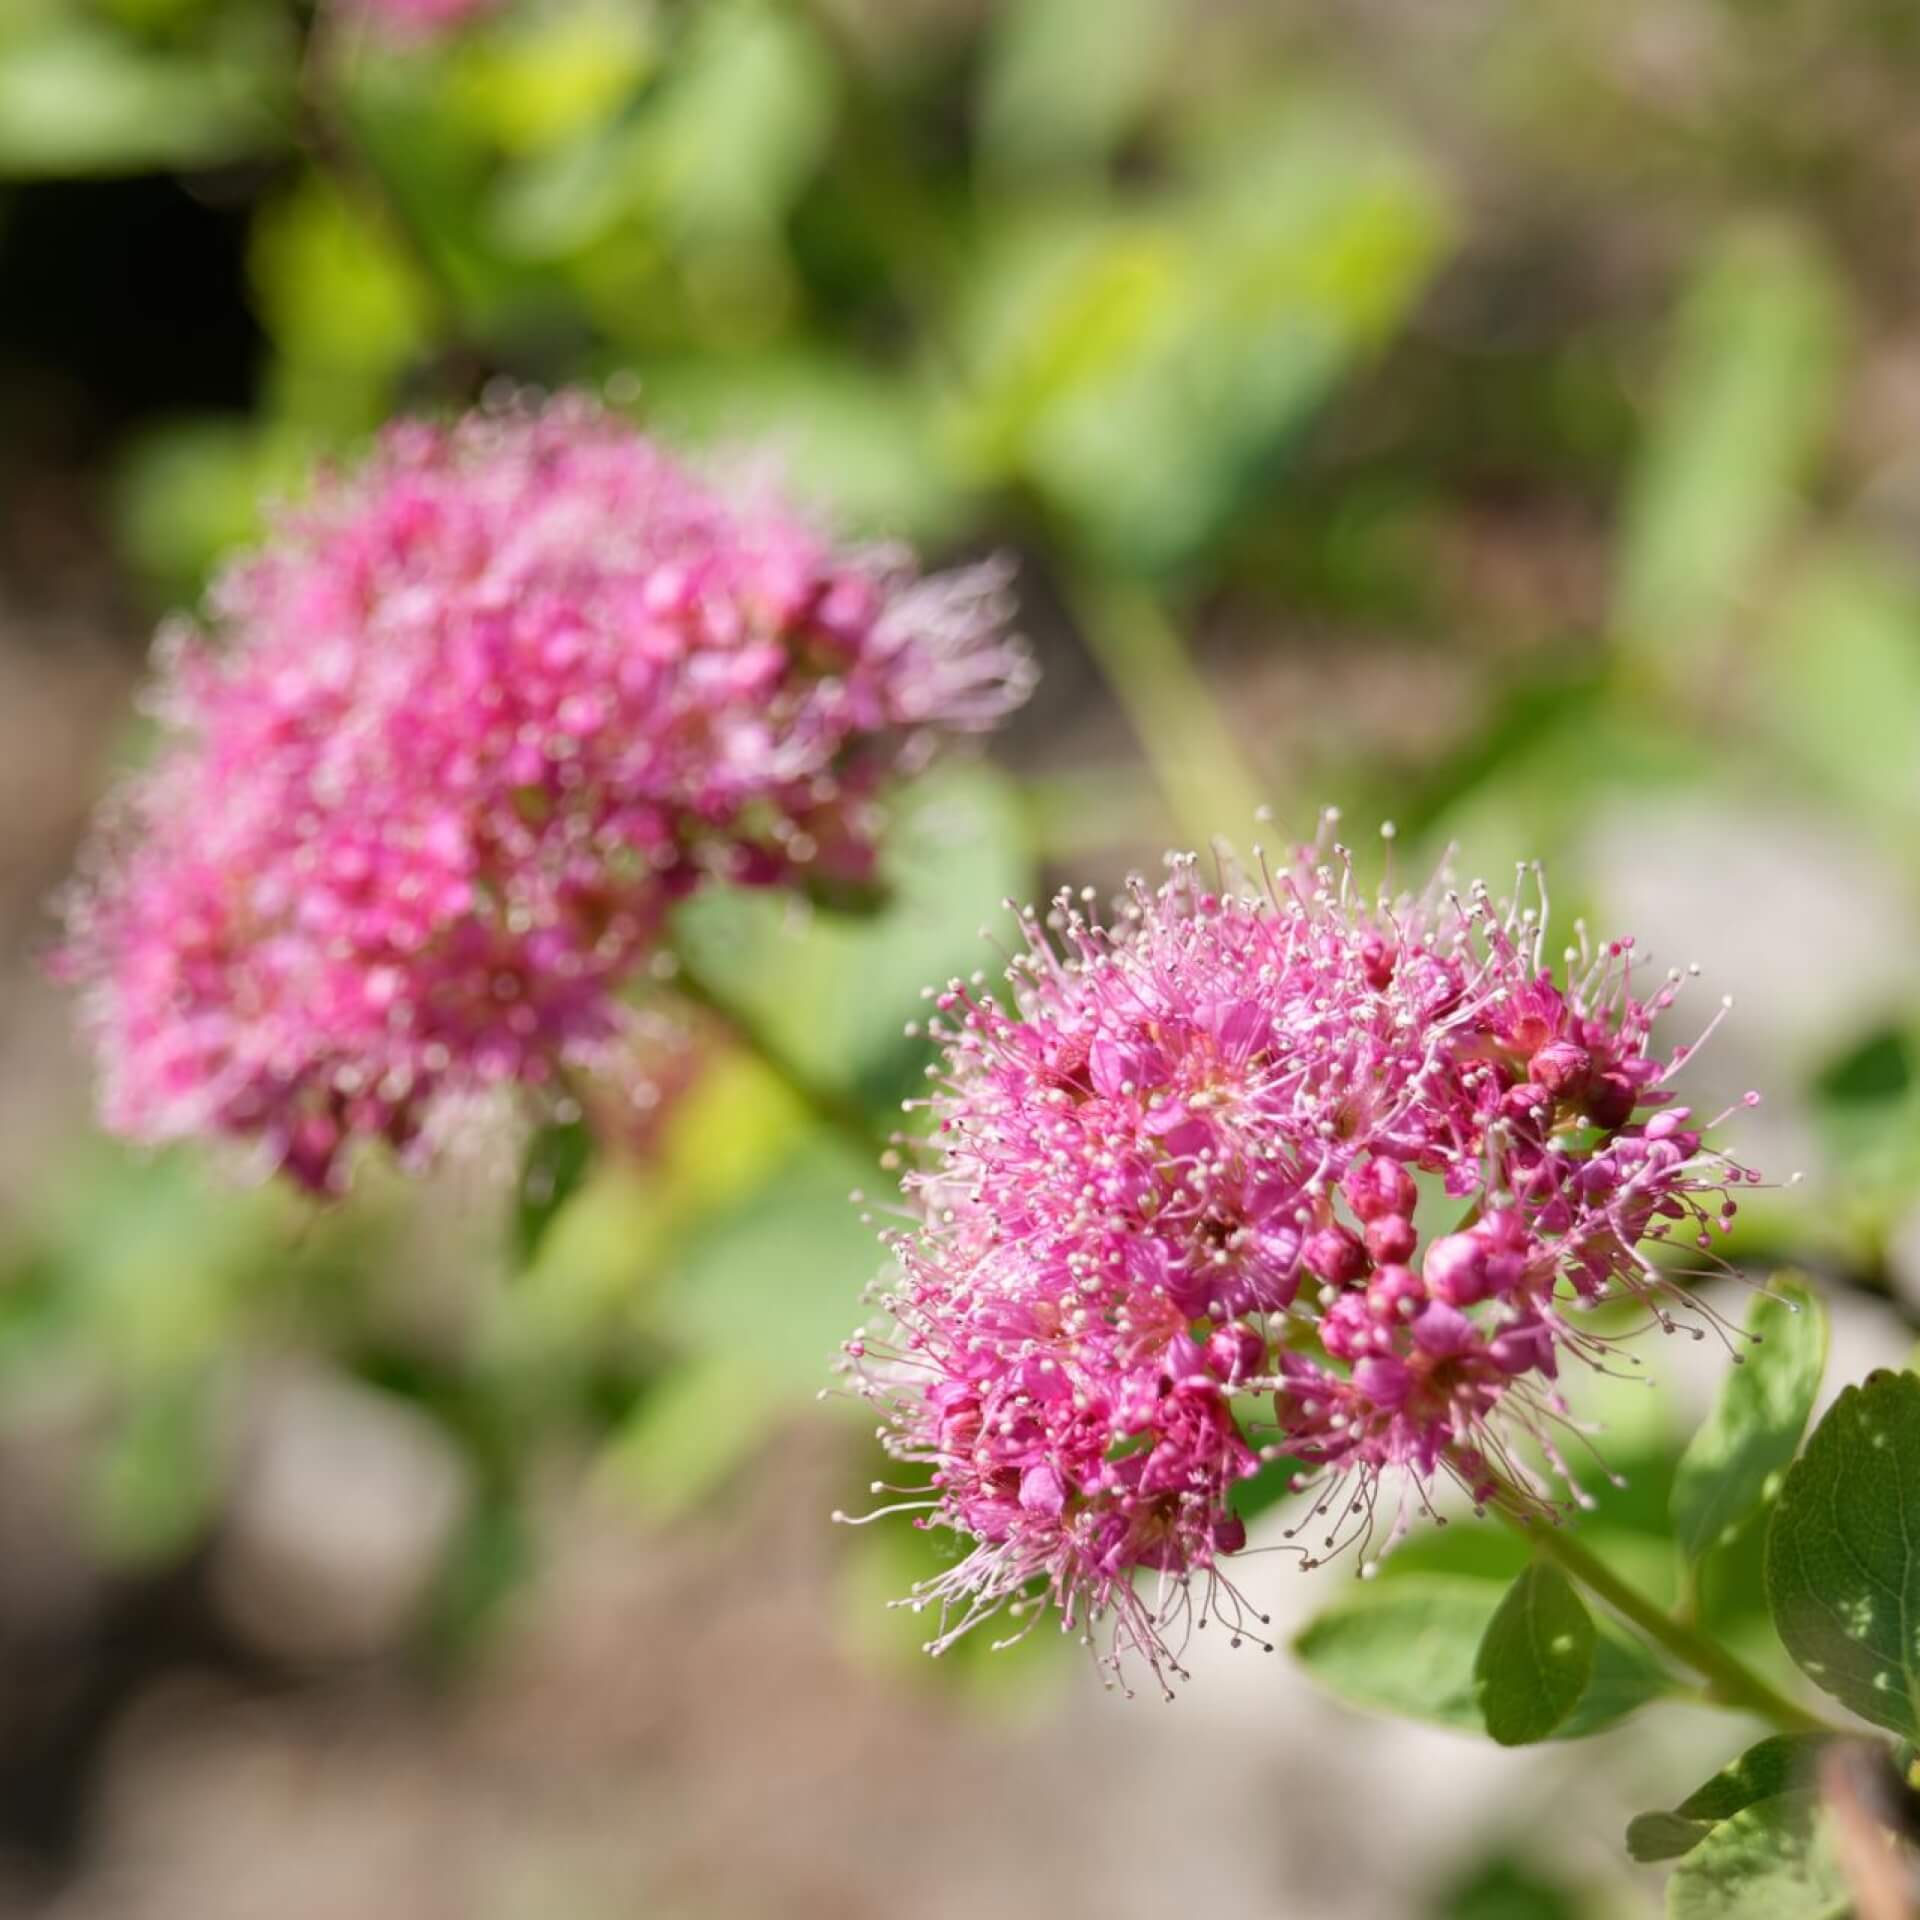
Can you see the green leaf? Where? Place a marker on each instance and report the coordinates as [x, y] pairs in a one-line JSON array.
[[1146, 371], [693, 1428], [775, 1284], [1744, 402], [1408, 1646], [1843, 1553], [1066, 79], [1626, 1676], [559, 1157], [1405, 1647], [1732, 1465], [1774, 1766], [1772, 1859], [78, 100], [1652, 1837], [1536, 1658], [834, 991]]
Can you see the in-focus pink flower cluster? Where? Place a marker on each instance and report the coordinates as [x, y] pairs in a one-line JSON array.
[[455, 739], [1274, 1171]]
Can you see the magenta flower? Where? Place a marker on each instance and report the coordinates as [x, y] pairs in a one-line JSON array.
[[451, 744], [1357, 1161]]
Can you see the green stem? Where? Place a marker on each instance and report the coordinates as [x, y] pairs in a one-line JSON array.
[[1196, 761], [845, 1118], [1730, 1681]]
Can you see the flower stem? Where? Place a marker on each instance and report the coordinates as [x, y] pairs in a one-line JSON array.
[[1196, 762], [832, 1110], [1730, 1681]]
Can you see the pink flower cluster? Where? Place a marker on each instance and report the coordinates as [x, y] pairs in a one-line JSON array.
[[457, 737], [1348, 1163]]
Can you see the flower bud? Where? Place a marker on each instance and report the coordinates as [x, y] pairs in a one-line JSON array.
[[1378, 1187], [1335, 1255], [1236, 1352], [1391, 1238], [1560, 1066], [1455, 1269]]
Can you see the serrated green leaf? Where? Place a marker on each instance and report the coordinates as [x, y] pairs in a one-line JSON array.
[[557, 1161], [1408, 1646], [1773, 1766], [1731, 1466], [1773, 1858], [1535, 1659], [1843, 1553]]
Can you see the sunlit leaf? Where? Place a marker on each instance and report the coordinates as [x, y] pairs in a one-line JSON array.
[[1843, 1553], [1773, 1858], [79, 99], [1772, 1767]]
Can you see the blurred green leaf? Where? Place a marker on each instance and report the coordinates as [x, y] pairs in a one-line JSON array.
[[334, 291], [1409, 1646], [856, 438], [699, 1422], [774, 1285], [1774, 1858], [831, 991], [1144, 369], [81, 99], [740, 120], [557, 1162], [1836, 679], [1535, 1658], [154, 1484], [1744, 403], [1875, 1069], [546, 75], [1732, 1465], [1066, 79], [1776, 1764], [1843, 1553], [190, 491], [1507, 1890]]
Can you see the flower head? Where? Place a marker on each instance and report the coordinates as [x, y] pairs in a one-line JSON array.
[[1351, 1163], [450, 744]]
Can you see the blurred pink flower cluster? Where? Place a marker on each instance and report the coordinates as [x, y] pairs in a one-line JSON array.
[[421, 19], [1347, 1163], [452, 741]]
